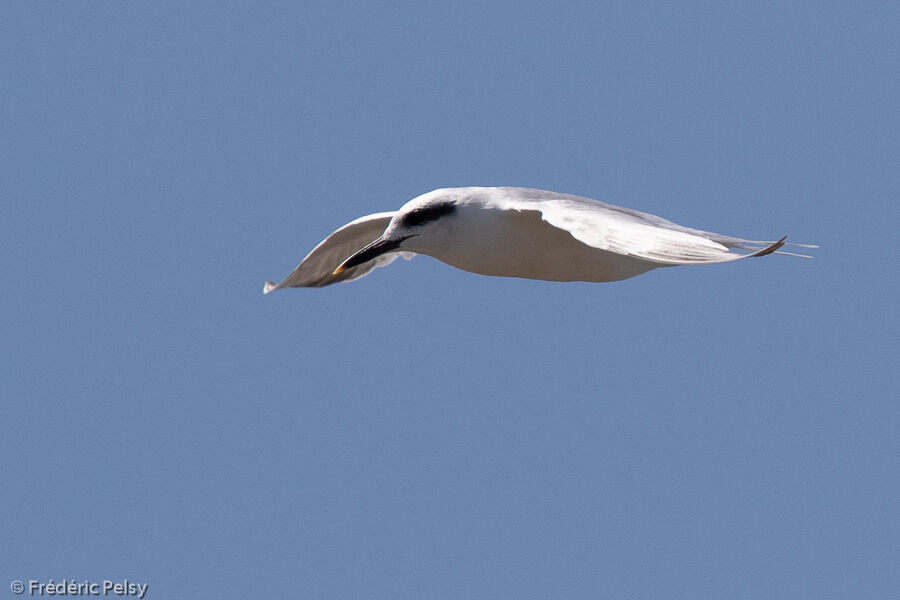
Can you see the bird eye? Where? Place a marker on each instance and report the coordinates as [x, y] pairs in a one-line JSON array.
[[420, 216]]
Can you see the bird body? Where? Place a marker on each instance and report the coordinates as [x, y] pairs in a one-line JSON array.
[[490, 240], [517, 232]]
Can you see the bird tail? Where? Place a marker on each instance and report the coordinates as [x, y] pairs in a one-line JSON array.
[[793, 254]]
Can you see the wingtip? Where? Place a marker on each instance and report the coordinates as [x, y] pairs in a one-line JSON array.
[[269, 286], [775, 246]]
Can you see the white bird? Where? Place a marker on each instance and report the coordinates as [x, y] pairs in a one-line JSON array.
[[518, 232]]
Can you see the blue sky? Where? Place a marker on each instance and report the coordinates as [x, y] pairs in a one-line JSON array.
[[724, 431]]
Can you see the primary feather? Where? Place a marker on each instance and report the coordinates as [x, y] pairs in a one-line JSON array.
[[316, 269]]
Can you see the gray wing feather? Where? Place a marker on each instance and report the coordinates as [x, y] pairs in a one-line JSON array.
[[316, 269], [630, 232]]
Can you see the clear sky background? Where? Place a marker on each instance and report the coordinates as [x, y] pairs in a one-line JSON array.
[[699, 432]]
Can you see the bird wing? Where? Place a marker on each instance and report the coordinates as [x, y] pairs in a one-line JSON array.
[[316, 269], [629, 232]]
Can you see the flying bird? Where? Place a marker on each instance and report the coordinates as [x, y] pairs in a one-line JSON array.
[[518, 232]]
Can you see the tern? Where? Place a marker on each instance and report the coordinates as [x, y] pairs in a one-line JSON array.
[[518, 232]]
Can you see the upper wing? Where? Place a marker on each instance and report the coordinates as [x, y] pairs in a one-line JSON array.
[[630, 232], [316, 269]]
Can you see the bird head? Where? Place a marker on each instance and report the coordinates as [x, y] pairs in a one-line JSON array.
[[418, 222]]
